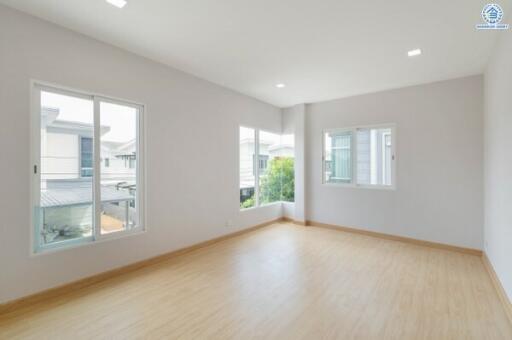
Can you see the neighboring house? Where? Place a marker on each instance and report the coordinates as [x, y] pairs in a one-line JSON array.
[[374, 157], [281, 150], [66, 178], [67, 152], [118, 161]]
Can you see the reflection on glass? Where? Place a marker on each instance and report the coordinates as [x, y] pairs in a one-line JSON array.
[[118, 159], [287, 168], [338, 157], [374, 156]]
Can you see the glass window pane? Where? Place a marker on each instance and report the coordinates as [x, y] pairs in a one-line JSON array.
[[363, 156], [286, 165], [247, 167], [374, 156], [66, 209], [270, 150], [118, 135], [338, 157]]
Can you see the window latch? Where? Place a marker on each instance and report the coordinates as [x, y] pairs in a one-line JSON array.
[[35, 169]]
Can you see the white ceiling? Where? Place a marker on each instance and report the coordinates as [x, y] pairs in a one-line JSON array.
[[321, 49]]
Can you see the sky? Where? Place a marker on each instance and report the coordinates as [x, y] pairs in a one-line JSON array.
[[122, 120]]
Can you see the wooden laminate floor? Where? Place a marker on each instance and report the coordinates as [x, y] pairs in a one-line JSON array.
[[282, 282]]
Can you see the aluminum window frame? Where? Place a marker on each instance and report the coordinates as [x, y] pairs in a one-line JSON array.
[[36, 248], [354, 154]]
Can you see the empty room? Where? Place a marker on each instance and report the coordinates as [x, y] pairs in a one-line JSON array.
[[242, 169]]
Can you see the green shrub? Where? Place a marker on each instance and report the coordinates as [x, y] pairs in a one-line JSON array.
[[278, 183], [248, 203]]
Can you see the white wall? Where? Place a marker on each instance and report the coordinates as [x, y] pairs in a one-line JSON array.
[[498, 161], [293, 122], [439, 163], [192, 151]]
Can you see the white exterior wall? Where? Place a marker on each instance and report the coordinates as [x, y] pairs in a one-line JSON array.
[[282, 151], [118, 170], [60, 155]]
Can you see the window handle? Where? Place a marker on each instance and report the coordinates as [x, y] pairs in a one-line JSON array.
[[35, 169]]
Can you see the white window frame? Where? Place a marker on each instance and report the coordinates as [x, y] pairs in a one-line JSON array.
[[257, 168], [36, 248], [353, 182]]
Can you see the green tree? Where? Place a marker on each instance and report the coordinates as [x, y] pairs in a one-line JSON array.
[[279, 181], [248, 203]]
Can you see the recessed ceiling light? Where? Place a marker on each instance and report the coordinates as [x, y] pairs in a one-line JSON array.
[[117, 3], [413, 53], [280, 85]]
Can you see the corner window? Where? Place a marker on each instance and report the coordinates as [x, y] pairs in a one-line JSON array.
[[76, 198], [361, 156], [269, 177]]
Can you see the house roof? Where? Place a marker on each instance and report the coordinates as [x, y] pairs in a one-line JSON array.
[[50, 120], [80, 195]]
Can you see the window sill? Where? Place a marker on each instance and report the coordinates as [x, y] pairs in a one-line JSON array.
[[84, 242], [361, 186], [263, 206]]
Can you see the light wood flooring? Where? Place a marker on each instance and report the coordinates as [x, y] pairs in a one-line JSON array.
[[282, 282]]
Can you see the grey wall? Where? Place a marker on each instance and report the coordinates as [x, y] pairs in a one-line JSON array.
[[192, 151], [498, 161], [439, 163]]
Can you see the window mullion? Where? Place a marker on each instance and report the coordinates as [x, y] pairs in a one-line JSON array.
[[354, 156], [140, 184], [257, 171], [36, 224], [393, 156], [97, 170]]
